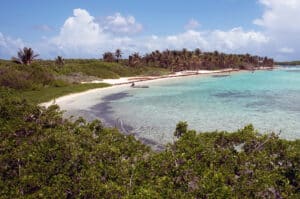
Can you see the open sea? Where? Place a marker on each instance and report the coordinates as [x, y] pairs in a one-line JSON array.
[[270, 100]]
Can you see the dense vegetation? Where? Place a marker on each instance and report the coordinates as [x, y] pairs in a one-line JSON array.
[[43, 80], [84, 68], [25, 56], [43, 155], [32, 77], [289, 63], [176, 60]]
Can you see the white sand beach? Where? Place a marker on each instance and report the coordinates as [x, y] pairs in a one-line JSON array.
[[70, 101], [129, 80], [87, 98]]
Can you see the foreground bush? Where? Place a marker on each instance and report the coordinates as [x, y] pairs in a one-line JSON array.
[[43, 155], [25, 78]]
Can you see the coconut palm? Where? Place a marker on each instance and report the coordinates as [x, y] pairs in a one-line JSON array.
[[25, 56], [192, 60], [197, 52], [109, 57], [118, 54], [59, 61], [135, 60]]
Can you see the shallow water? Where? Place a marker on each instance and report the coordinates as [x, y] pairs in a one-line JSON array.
[[270, 100]]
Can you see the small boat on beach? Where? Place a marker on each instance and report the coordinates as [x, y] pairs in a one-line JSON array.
[[141, 86], [216, 76], [138, 86]]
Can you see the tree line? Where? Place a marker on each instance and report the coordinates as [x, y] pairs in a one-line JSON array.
[[178, 60], [174, 60], [289, 63]]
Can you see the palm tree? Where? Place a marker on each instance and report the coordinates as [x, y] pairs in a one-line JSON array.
[[59, 61], [184, 53], [197, 52], [25, 56], [109, 57], [118, 54], [184, 59], [134, 60]]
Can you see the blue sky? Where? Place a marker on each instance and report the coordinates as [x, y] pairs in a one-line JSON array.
[[231, 26]]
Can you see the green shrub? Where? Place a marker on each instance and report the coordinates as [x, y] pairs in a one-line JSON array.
[[15, 79], [181, 129], [43, 155], [26, 78], [59, 83]]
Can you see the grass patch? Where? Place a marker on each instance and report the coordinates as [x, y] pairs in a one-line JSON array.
[[49, 93], [106, 70], [88, 67], [44, 80]]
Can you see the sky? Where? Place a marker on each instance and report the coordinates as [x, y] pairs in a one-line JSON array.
[[88, 28]]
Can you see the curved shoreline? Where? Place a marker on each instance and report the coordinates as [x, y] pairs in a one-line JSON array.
[[84, 103], [125, 81]]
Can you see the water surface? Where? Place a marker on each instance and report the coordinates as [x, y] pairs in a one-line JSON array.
[[270, 100]]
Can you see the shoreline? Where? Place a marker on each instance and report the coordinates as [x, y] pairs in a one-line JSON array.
[[135, 79], [123, 82], [103, 112], [77, 104]]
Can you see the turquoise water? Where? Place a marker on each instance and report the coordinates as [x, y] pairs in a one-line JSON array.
[[270, 100]]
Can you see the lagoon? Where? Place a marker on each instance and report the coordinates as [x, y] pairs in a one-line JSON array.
[[270, 100]]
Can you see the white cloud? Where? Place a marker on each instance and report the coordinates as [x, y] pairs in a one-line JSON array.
[[189, 39], [237, 38], [80, 30], [121, 24], [9, 46], [286, 50], [192, 24], [82, 36], [279, 15], [230, 41], [279, 22]]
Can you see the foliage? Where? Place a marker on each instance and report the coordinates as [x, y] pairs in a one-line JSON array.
[[87, 67], [109, 57], [43, 155], [290, 63], [59, 61], [25, 56], [135, 60], [181, 128], [178, 60], [194, 60], [57, 90], [25, 78], [107, 70], [118, 54], [43, 80]]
